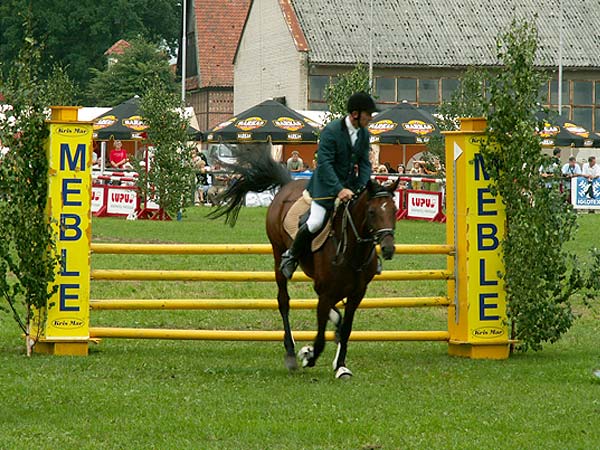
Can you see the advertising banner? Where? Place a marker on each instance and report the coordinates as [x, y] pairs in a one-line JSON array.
[[121, 201], [69, 152], [423, 205], [585, 194], [485, 225]]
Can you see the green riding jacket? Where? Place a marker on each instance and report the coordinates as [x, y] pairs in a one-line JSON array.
[[340, 165]]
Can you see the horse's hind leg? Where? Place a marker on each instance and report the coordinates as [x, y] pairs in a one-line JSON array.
[[335, 316], [283, 300], [309, 355]]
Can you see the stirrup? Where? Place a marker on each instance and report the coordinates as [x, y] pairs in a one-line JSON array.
[[288, 264]]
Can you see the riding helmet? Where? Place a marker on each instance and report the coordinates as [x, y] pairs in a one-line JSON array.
[[361, 101]]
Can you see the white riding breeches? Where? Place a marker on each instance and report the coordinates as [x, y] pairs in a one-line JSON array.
[[316, 217]]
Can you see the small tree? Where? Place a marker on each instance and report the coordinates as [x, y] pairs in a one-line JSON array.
[[28, 258], [466, 101], [170, 175], [337, 94], [540, 275], [140, 65]]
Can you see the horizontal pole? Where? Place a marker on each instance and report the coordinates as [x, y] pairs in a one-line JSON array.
[[245, 335], [199, 275], [209, 304], [242, 249]]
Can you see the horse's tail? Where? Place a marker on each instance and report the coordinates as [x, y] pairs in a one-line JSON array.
[[255, 171]]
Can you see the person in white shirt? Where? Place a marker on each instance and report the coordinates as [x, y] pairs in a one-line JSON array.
[[569, 171], [591, 170]]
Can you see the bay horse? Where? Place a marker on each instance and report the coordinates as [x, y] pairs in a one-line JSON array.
[[341, 269]]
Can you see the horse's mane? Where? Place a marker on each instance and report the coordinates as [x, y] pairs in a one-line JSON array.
[[254, 170]]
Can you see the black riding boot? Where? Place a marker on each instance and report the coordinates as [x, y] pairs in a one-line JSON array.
[[289, 259]]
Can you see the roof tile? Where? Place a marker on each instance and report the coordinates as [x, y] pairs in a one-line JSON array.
[[443, 33], [218, 28]]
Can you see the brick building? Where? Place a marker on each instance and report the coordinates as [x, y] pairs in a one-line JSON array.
[[213, 30]]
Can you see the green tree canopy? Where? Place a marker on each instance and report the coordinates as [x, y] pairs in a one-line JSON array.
[[75, 34], [337, 94], [140, 66]]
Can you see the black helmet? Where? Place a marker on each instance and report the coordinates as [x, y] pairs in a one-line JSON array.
[[361, 101]]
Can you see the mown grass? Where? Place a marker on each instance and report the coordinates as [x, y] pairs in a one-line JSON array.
[[171, 394]]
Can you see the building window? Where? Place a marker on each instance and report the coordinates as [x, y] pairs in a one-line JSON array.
[[554, 92], [449, 85], [316, 87], [407, 89], [582, 93], [597, 93], [583, 117], [542, 97], [429, 91], [385, 90], [597, 120]]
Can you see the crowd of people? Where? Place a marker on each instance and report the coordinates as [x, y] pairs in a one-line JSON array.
[[212, 180], [421, 168], [566, 172]]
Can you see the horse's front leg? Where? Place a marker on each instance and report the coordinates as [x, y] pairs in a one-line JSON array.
[[339, 362]]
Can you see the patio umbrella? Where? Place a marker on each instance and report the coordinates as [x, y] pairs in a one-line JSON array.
[[267, 121], [124, 122], [403, 124], [560, 132]]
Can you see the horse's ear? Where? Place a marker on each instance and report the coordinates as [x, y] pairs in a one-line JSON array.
[[392, 187], [372, 186]]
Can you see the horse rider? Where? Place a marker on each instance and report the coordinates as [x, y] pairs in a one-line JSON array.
[[343, 170]]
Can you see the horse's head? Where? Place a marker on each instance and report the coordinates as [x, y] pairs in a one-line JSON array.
[[381, 215]]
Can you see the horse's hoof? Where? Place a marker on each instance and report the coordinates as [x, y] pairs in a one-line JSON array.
[[596, 373], [305, 354], [343, 373], [290, 363]]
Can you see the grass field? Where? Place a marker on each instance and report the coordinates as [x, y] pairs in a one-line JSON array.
[[202, 395]]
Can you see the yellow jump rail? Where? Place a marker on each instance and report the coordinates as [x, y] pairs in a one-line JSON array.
[[234, 303], [244, 249]]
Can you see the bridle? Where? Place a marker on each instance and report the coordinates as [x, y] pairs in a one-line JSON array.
[[374, 237]]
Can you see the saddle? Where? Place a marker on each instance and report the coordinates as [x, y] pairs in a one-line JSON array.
[[297, 215]]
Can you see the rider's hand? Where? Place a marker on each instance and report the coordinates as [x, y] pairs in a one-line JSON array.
[[345, 194]]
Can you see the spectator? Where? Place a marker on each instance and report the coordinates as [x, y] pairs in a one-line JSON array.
[[550, 171], [401, 169], [416, 171], [569, 171], [590, 170], [382, 169], [118, 157], [295, 163], [220, 180], [202, 184], [95, 161]]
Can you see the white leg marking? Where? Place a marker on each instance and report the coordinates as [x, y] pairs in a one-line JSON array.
[[337, 355], [335, 317], [305, 354]]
